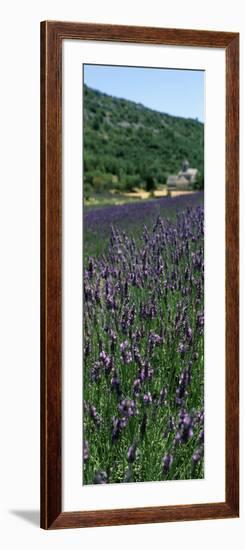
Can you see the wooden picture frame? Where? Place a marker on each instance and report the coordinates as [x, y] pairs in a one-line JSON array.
[[52, 35]]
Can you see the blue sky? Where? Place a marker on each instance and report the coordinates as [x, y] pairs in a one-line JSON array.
[[174, 91]]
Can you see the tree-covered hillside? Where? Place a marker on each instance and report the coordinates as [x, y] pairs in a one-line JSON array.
[[127, 145]]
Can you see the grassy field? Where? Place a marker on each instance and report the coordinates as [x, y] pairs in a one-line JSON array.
[[115, 198], [143, 376]]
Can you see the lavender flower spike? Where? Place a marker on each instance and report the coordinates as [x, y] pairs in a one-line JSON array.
[[131, 454], [167, 462], [100, 478], [85, 450]]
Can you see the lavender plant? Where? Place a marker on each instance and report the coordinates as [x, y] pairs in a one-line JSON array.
[[143, 380]]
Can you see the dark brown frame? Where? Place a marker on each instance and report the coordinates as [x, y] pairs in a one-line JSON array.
[[52, 34]]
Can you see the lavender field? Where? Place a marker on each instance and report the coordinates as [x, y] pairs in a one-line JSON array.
[[143, 372]]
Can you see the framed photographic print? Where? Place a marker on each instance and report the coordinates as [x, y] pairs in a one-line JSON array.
[[139, 275]]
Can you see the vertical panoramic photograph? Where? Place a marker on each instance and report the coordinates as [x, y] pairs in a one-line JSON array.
[[143, 274]]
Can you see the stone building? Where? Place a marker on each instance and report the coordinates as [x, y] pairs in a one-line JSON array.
[[184, 179]]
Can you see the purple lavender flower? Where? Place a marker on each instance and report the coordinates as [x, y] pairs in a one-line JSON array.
[[111, 302], [95, 416], [85, 450], [200, 321], [184, 382], [127, 407], [146, 373], [170, 427], [147, 398], [116, 385], [126, 355], [100, 478], [118, 424], [87, 348], [185, 431], [131, 454], [200, 416], [197, 455], [106, 361], [154, 340], [137, 387], [95, 372], [201, 437], [113, 339], [137, 356], [188, 333], [167, 462], [182, 349], [162, 397]]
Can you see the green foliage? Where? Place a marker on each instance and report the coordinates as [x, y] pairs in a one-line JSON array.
[[199, 183], [150, 183], [134, 143], [131, 182]]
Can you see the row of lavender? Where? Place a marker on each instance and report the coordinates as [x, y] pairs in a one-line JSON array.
[[132, 216], [143, 380]]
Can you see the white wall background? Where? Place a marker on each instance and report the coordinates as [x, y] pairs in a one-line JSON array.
[[19, 272]]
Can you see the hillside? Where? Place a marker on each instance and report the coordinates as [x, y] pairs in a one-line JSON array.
[[128, 145]]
